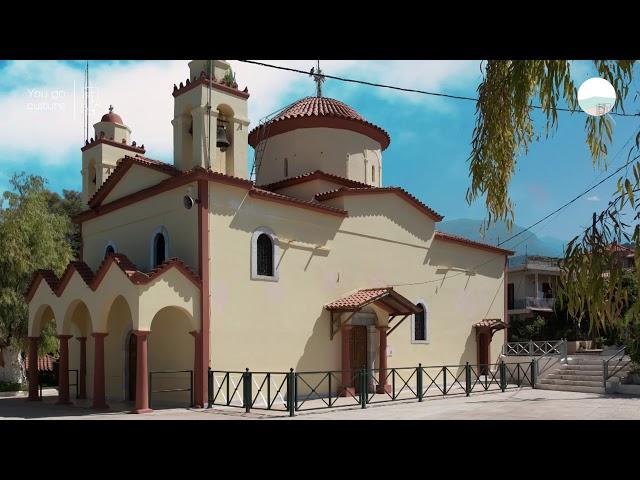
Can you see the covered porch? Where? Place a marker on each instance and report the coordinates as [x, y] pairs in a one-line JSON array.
[[119, 327], [365, 319]]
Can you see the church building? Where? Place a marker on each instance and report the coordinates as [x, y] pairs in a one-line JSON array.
[[309, 262]]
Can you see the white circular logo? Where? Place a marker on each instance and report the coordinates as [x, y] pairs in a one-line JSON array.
[[596, 96]]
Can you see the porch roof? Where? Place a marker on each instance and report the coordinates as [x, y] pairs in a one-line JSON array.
[[491, 324], [386, 298]]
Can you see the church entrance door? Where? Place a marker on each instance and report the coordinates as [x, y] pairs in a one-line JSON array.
[[358, 351]]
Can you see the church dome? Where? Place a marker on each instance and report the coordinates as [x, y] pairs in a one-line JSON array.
[[314, 112], [112, 117]]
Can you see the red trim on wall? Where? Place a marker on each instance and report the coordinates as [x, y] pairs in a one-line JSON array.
[[205, 307], [470, 243], [177, 91], [341, 192], [93, 281], [113, 143], [317, 174], [278, 198], [288, 124]]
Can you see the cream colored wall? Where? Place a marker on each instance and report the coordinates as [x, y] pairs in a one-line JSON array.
[[171, 347], [384, 241], [105, 158], [341, 152], [119, 325], [137, 178], [131, 229]]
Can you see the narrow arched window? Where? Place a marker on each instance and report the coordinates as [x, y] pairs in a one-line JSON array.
[[373, 173], [419, 331], [286, 167], [265, 255], [159, 247], [109, 250]]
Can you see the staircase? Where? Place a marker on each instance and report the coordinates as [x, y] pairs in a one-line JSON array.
[[581, 373]]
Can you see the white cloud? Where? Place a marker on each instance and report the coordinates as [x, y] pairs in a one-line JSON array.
[[593, 198], [41, 101]]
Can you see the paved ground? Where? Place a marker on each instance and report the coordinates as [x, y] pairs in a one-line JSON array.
[[524, 404]]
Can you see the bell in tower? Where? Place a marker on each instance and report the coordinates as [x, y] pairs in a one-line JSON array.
[[222, 140]]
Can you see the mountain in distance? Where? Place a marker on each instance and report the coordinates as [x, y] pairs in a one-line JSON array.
[[534, 245]]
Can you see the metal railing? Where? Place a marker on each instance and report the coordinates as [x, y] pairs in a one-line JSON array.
[[314, 390], [534, 349], [171, 390], [609, 370]]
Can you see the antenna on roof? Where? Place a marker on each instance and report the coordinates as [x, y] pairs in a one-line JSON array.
[[86, 102], [316, 73]]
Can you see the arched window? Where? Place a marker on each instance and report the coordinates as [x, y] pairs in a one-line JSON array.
[[420, 327], [110, 248], [286, 167], [159, 247], [264, 255], [373, 173]]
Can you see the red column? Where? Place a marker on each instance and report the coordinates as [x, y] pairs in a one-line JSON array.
[[33, 369], [63, 371], [99, 400], [82, 374], [142, 373], [383, 386], [197, 367], [347, 375]]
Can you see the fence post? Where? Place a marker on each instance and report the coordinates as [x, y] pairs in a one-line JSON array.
[[531, 347], [503, 376], [246, 387], [364, 394], [444, 380], [191, 387], [150, 389], [533, 374], [210, 388], [467, 378], [419, 382], [605, 374], [291, 396]]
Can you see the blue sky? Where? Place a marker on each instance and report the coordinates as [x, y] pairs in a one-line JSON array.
[[41, 127]]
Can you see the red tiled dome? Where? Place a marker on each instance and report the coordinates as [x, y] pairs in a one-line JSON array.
[[312, 112], [112, 117]]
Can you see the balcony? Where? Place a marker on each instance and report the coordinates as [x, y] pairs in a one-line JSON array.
[[533, 303]]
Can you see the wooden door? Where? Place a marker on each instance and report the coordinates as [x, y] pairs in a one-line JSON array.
[[133, 361], [358, 350]]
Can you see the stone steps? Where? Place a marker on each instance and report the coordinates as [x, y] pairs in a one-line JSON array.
[[572, 376], [570, 388], [574, 382]]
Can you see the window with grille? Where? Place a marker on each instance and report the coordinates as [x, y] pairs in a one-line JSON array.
[[420, 324], [159, 249], [265, 255]]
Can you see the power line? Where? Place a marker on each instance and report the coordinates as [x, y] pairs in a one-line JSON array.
[[572, 200], [413, 90]]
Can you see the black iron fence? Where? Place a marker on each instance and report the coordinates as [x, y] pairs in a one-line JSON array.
[[171, 380], [304, 391], [76, 383]]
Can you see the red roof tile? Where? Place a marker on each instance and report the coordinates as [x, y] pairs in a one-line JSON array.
[[278, 197], [45, 363], [306, 112], [491, 323], [317, 174], [386, 298], [93, 281], [372, 190], [471, 243], [357, 299]]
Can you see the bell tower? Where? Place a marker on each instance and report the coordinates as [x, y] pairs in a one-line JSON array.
[[101, 153], [210, 121]]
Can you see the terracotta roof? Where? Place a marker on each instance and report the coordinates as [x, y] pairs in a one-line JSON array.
[[447, 237], [278, 197], [317, 174], [93, 281], [386, 298], [339, 192], [312, 112], [491, 324], [112, 117], [122, 167], [45, 363], [616, 247]]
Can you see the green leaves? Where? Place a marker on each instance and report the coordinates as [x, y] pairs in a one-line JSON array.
[[504, 128], [31, 237]]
